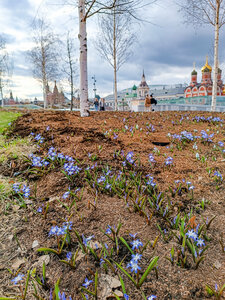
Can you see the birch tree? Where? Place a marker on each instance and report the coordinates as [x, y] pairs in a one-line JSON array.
[[208, 12], [115, 42], [44, 55], [87, 9]]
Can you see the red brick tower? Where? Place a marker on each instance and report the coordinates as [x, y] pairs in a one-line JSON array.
[[206, 73], [194, 75]]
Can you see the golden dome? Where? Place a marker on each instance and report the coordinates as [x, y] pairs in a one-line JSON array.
[[207, 67]]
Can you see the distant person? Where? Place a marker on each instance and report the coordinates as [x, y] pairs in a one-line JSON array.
[[153, 101], [96, 104], [102, 104], [148, 103]]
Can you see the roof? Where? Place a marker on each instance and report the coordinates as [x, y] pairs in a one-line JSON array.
[[206, 67]]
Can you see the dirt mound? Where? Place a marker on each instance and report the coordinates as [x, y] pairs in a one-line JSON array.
[[179, 152]]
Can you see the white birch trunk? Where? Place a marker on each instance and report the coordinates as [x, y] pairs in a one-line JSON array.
[[115, 59], [84, 105], [216, 45]]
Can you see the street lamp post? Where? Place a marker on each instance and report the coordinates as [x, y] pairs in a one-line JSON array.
[[94, 84]]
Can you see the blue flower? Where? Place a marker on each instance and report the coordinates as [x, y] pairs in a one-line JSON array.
[[108, 230], [87, 282], [129, 157], [126, 297], [68, 225], [134, 266], [18, 278], [60, 155], [133, 235], [136, 244], [86, 240], [192, 234], [39, 209], [66, 195], [169, 161], [101, 179], [26, 191], [69, 256], [136, 257], [61, 231], [200, 243], [152, 297], [53, 230], [151, 158], [16, 187]]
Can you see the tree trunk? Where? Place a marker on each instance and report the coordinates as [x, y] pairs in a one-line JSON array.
[[44, 79], [71, 104], [216, 45], [84, 105], [115, 59]]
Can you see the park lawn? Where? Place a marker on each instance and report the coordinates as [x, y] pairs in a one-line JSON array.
[[7, 117]]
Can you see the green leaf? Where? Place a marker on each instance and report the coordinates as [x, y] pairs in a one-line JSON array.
[[125, 243], [88, 291], [96, 283], [44, 271], [122, 285], [198, 262], [83, 296], [150, 267], [26, 286], [209, 290], [126, 273], [93, 253], [6, 298], [117, 297], [57, 290], [221, 290], [68, 263], [47, 250]]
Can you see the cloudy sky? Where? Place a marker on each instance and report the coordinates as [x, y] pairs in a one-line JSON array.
[[166, 47]]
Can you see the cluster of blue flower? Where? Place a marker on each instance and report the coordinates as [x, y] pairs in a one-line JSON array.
[[37, 161], [206, 137], [218, 176], [192, 234], [56, 230], [169, 161], [209, 119], [21, 189], [71, 169]]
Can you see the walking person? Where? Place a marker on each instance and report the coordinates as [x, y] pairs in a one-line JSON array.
[[153, 101], [148, 103], [102, 104], [96, 104]]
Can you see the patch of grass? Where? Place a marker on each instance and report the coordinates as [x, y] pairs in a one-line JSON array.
[[5, 187], [7, 117], [16, 149]]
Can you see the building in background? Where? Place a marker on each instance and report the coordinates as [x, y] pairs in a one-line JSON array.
[[55, 98], [132, 98], [204, 88]]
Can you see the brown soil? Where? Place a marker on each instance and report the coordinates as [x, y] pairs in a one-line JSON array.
[[78, 137]]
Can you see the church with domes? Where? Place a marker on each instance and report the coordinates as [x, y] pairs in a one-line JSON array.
[[204, 88]]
